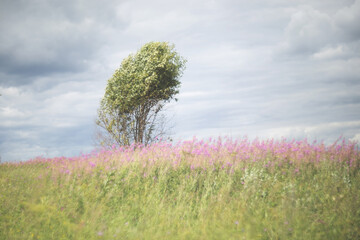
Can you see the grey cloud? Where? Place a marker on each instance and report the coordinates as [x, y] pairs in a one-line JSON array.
[[42, 38], [347, 19], [308, 31], [283, 97], [28, 142], [322, 34], [56, 120]]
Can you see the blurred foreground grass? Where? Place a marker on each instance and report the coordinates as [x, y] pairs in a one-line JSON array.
[[240, 200]]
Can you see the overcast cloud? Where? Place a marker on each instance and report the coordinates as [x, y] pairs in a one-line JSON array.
[[266, 69]]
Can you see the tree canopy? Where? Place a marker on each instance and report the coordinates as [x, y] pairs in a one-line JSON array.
[[137, 92]]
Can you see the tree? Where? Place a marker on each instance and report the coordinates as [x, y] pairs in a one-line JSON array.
[[130, 111]]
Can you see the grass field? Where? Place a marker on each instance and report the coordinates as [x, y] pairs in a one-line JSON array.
[[213, 189]]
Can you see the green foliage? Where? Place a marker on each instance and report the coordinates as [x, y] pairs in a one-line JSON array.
[[137, 92], [151, 74]]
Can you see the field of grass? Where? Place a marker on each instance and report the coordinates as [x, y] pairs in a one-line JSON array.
[[214, 189]]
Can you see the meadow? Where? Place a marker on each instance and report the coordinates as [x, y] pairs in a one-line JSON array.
[[200, 189]]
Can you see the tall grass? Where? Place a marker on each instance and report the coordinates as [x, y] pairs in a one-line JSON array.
[[214, 189]]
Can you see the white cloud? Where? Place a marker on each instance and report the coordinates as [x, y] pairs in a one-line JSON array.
[[7, 112], [356, 138], [9, 91], [43, 38], [333, 130], [331, 53]]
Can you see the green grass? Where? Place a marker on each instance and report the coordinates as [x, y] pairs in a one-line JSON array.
[[243, 201]]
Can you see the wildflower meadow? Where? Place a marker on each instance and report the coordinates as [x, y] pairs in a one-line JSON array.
[[200, 189]]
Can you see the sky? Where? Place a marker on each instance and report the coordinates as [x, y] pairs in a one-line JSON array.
[[260, 69]]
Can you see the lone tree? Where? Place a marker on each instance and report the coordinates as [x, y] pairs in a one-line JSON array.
[[137, 92]]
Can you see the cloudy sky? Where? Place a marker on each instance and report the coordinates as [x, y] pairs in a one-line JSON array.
[[266, 69]]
